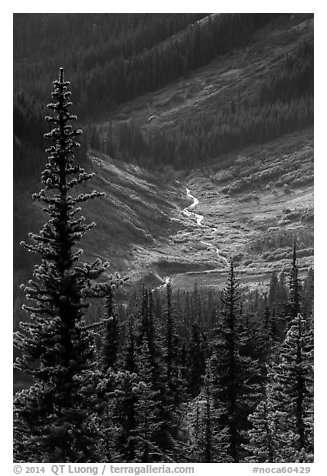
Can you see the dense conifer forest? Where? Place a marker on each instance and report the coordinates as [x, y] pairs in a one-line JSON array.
[[282, 103], [170, 376], [115, 58]]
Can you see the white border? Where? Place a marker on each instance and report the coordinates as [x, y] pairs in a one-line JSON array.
[[320, 196]]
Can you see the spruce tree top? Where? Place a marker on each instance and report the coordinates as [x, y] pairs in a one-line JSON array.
[[56, 241], [53, 418]]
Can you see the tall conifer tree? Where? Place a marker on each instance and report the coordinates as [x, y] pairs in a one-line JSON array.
[[283, 421], [196, 361], [295, 287], [147, 410], [308, 295], [263, 442], [111, 334], [291, 395], [233, 375], [53, 418]]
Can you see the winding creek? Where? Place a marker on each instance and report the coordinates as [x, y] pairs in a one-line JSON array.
[[189, 213]]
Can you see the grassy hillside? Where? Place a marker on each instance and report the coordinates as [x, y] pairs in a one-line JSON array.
[[136, 210], [234, 76], [258, 193], [258, 200], [259, 203], [250, 95], [112, 59]]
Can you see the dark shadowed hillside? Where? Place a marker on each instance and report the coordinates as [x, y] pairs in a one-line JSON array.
[[258, 88]]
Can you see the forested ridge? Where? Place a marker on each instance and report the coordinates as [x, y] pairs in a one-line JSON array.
[[94, 46], [112, 59], [274, 98], [107, 370], [161, 385], [171, 376], [281, 102]]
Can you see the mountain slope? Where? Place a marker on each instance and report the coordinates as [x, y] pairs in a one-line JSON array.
[[258, 204], [233, 76], [238, 133], [135, 210]]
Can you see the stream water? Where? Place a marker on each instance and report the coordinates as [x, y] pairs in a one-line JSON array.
[[198, 218], [189, 213]]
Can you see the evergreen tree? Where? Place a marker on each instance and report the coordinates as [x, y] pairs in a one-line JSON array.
[[169, 355], [295, 287], [111, 335], [183, 361], [196, 361], [255, 344], [147, 412], [105, 388], [148, 329], [308, 295], [269, 327], [263, 442], [209, 443], [129, 350], [277, 302], [53, 418], [123, 404], [207, 438], [173, 371], [169, 383], [233, 375], [283, 422], [283, 293], [291, 395], [126, 397]]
